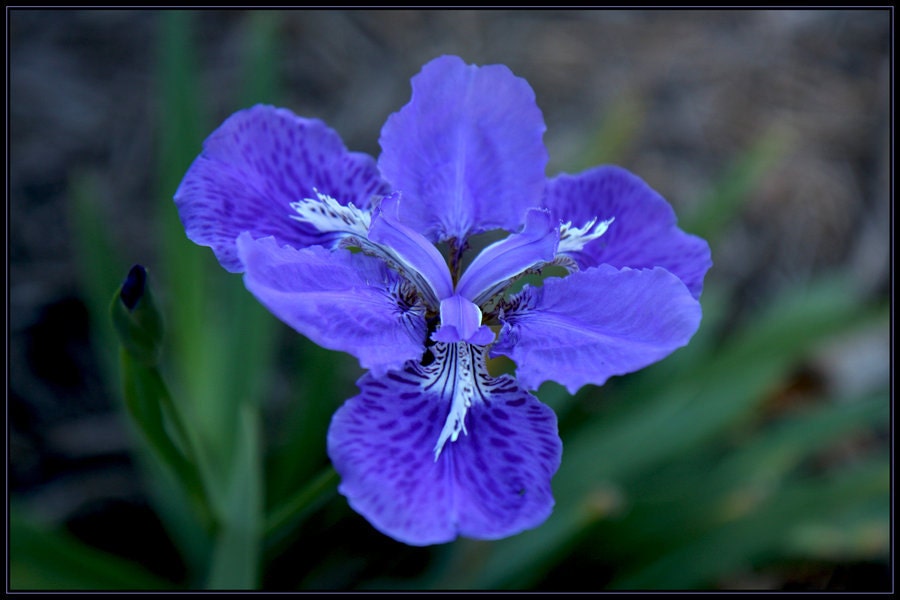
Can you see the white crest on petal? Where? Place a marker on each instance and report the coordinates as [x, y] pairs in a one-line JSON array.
[[459, 368], [350, 228], [327, 215], [573, 239]]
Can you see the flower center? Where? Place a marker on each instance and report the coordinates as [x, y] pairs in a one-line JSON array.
[[458, 371], [382, 234], [461, 322]]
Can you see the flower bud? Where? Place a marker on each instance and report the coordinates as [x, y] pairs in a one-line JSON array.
[[136, 319]]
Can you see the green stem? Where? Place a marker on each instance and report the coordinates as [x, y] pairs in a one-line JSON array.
[[310, 497], [147, 398]]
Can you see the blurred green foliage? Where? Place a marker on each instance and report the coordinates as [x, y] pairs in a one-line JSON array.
[[686, 475]]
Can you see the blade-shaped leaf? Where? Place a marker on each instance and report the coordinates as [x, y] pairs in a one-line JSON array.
[[236, 555], [40, 559], [759, 536]]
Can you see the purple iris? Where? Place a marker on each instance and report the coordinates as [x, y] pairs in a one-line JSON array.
[[371, 258]]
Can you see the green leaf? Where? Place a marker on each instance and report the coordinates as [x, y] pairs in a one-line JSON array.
[[861, 533], [236, 555], [222, 340], [184, 267], [261, 57], [40, 559], [723, 482], [307, 499], [321, 381], [100, 266], [759, 537], [152, 410]]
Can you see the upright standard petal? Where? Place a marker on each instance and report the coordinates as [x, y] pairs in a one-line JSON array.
[[644, 234], [596, 323], [409, 252], [339, 300], [495, 266], [254, 166], [489, 481], [467, 150]]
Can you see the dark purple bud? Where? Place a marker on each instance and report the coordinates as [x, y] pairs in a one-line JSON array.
[[136, 318], [133, 287]]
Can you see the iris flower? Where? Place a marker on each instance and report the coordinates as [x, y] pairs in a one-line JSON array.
[[374, 259]]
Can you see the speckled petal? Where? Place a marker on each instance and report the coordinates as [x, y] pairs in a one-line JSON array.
[[493, 481], [644, 234], [254, 166]]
